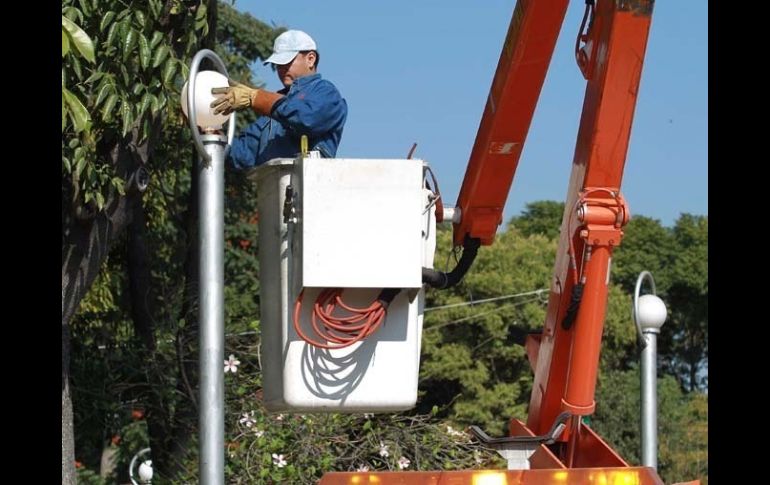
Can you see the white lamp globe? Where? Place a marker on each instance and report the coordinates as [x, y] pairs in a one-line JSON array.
[[204, 114], [145, 471], [652, 313]]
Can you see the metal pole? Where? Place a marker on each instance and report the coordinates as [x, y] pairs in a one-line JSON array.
[[212, 148], [211, 311], [648, 325], [650, 401]]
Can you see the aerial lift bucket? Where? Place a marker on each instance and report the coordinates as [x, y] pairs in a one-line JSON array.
[[360, 225]]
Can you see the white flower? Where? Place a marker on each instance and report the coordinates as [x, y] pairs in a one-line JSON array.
[[477, 457], [279, 461], [231, 364], [383, 450], [403, 462], [258, 432], [247, 419], [279, 417], [368, 415], [362, 468], [455, 432]]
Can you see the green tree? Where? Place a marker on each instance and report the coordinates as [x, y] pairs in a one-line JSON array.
[[108, 145], [471, 365], [474, 365], [135, 250], [682, 424], [540, 217], [678, 260], [685, 352]]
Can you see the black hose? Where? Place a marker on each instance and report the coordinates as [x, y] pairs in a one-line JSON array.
[[574, 304], [440, 280], [387, 295]]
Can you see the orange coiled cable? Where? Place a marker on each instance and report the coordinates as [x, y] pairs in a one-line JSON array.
[[338, 331]]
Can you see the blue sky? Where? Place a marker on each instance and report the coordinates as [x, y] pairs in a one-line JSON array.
[[420, 71]]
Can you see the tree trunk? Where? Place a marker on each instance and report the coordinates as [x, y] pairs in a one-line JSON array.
[[85, 245], [67, 436], [186, 418]]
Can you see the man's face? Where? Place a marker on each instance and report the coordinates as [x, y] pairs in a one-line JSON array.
[[300, 66]]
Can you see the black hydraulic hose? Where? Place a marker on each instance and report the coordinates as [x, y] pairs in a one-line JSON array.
[[574, 304], [387, 295], [440, 280]]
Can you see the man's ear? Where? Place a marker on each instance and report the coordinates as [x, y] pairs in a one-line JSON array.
[[312, 56]]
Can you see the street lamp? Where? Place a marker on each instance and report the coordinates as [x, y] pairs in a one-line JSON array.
[[143, 475], [649, 314], [212, 147]]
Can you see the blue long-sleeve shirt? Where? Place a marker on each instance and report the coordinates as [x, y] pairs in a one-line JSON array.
[[311, 106]]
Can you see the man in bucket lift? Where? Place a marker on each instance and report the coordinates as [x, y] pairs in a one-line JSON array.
[[307, 105]]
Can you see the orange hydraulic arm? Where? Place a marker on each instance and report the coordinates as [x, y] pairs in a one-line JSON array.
[[610, 53], [515, 89]]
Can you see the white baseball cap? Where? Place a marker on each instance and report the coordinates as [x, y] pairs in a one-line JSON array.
[[288, 45]]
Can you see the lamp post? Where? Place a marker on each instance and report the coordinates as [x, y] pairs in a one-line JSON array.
[[144, 471], [211, 147], [649, 314]]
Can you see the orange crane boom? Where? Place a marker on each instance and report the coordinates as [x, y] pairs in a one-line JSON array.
[[610, 51]]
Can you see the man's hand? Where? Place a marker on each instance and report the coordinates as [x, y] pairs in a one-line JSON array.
[[237, 97]]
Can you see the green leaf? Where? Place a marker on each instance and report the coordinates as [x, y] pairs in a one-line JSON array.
[[99, 200], [80, 39], [80, 162], [129, 42], [168, 71], [109, 105], [106, 89], [73, 14], [156, 37], [160, 55], [123, 27], [108, 17], [162, 100], [119, 184], [124, 73], [125, 113], [77, 111], [73, 143], [112, 33], [139, 16], [65, 43], [155, 7], [86, 7], [145, 104], [155, 107], [144, 51], [67, 165], [201, 13], [146, 128], [76, 67], [94, 77], [63, 113], [137, 89], [123, 13]]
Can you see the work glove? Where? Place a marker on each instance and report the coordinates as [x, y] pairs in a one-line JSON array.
[[237, 97]]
